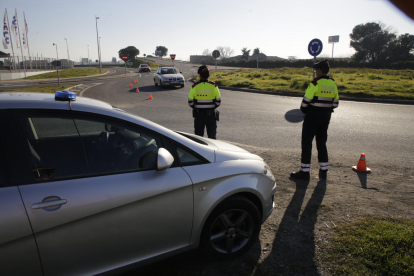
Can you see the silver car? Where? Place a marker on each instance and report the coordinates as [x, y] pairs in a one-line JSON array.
[[86, 188], [168, 76]]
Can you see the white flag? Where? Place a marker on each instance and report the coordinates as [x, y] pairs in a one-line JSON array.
[[25, 30], [6, 32], [16, 31]]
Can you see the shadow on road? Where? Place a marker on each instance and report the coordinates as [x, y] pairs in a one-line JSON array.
[[294, 116], [153, 88], [293, 249], [363, 179], [196, 263]]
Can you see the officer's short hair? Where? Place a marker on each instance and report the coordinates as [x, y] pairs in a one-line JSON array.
[[203, 71], [323, 65]]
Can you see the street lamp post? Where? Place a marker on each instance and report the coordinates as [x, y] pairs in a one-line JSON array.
[[67, 47], [100, 51], [88, 55], [57, 60], [97, 41]]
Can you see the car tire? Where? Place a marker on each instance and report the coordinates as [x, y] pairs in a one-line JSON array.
[[156, 84], [231, 229]]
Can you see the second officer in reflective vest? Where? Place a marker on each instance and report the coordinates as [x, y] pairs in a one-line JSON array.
[[204, 98], [320, 99]]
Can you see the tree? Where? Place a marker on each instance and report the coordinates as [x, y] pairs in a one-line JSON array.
[[256, 51], [225, 52], [401, 49], [370, 42], [131, 51], [206, 52], [245, 53], [163, 49]]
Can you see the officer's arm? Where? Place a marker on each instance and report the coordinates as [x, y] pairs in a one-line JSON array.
[[191, 98], [336, 99], [217, 100], [310, 92]]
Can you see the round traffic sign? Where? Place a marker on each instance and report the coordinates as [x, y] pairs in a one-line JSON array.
[[216, 54], [315, 47], [125, 57]]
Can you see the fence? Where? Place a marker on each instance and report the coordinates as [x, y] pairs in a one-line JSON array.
[[15, 64]]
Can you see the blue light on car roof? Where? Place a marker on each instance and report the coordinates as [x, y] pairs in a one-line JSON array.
[[65, 96]]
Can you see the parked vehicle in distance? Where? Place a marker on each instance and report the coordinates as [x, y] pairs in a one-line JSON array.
[[168, 76], [86, 188], [144, 68]]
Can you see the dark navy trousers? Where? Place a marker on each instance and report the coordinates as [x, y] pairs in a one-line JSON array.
[[316, 123]]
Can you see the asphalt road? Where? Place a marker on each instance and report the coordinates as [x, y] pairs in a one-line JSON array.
[[383, 131]]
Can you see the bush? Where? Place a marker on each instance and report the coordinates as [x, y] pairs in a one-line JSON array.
[[375, 77], [243, 83]]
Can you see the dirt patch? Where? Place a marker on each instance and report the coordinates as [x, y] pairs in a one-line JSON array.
[[306, 213]]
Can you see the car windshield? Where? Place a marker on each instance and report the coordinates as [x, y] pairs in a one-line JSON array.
[[168, 71], [144, 65]]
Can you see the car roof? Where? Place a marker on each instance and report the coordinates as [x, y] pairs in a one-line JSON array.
[[44, 100], [27, 100]]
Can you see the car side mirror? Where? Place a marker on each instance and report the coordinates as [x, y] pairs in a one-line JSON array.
[[164, 159]]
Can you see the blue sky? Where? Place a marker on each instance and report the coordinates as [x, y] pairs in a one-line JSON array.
[[278, 28]]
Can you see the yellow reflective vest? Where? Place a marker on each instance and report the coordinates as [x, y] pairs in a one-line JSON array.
[[321, 94], [204, 94]]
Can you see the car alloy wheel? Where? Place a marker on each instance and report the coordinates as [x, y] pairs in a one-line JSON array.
[[232, 228]]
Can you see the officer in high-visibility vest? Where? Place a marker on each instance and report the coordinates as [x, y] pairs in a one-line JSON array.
[[204, 98], [320, 99]]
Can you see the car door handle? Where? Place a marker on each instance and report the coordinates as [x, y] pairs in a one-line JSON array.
[[47, 204]]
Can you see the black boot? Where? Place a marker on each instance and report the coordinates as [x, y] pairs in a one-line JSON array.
[[300, 175], [322, 174]]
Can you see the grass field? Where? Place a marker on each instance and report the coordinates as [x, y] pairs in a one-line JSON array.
[[39, 89], [374, 246], [366, 83], [69, 73]]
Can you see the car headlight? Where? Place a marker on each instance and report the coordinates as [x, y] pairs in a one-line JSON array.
[[268, 172]]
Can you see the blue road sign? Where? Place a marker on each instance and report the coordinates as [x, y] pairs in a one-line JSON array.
[[258, 58], [315, 47]]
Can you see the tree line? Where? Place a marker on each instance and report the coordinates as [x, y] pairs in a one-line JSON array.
[[375, 44]]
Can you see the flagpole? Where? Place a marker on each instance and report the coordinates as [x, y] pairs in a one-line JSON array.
[[21, 46], [11, 42], [27, 39]]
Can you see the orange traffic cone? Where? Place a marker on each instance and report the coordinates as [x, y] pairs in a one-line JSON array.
[[137, 90], [134, 81], [150, 97], [362, 165], [130, 85], [137, 81]]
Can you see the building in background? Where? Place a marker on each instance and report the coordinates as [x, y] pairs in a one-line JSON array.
[[114, 60]]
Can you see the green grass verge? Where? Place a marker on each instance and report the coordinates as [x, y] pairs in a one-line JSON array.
[[363, 83], [69, 73], [39, 89], [138, 61], [373, 246]]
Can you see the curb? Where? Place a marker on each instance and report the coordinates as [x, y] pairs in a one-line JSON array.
[[292, 94]]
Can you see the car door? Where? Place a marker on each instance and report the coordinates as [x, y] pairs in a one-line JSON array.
[[18, 252], [96, 201], [158, 75]]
